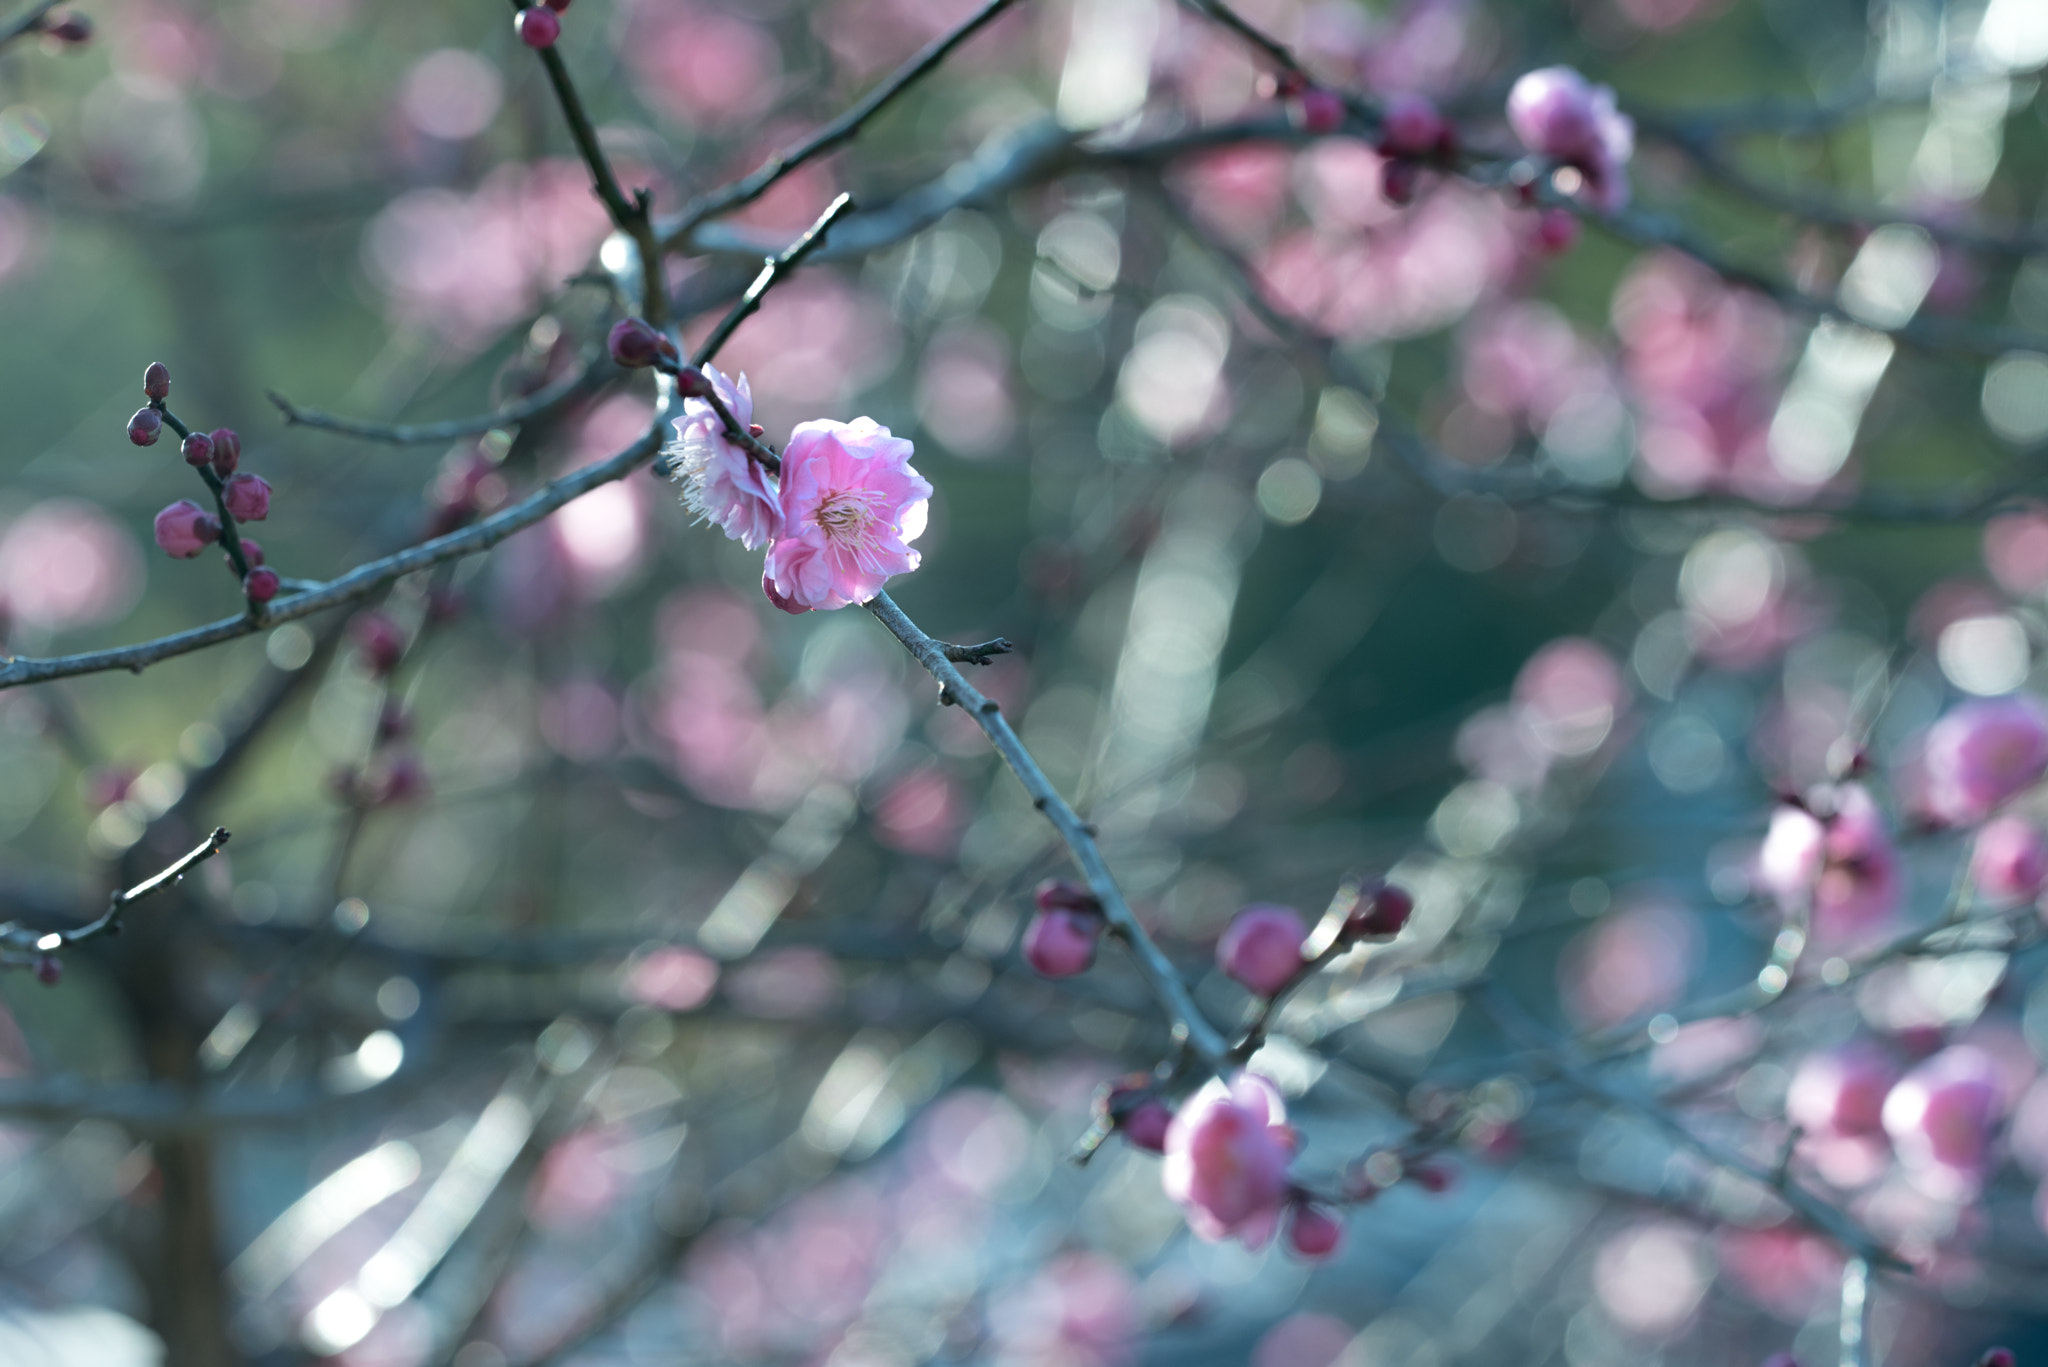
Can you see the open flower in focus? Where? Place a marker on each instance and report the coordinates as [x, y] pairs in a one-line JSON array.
[[720, 483], [851, 506], [1226, 1159]]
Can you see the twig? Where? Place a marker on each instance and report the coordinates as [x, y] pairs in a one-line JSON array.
[[22, 940], [771, 271], [28, 21], [1188, 1021], [841, 130], [981, 654], [411, 434]]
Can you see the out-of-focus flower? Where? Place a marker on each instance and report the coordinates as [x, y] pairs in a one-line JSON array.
[[1841, 1093], [1984, 753], [184, 529], [2016, 550], [722, 484], [1226, 1159], [2009, 862], [1314, 1231], [1569, 695], [1836, 852], [1556, 112], [1632, 962], [1261, 948], [700, 65], [851, 506], [1941, 1118], [64, 563]]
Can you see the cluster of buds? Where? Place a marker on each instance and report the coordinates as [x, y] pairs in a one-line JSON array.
[[538, 26], [1060, 941], [184, 528], [1413, 137], [394, 773]]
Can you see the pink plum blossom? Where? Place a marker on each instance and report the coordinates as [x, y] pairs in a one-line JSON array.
[[1837, 852], [851, 506], [1983, 753], [1941, 1117], [1262, 947], [1842, 1092], [721, 483], [1226, 1159], [2009, 863], [184, 529], [1061, 943], [65, 563], [1556, 112]]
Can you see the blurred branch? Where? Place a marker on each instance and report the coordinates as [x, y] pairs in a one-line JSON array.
[[28, 21], [542, 400], [841, 130], [1188, 1021]]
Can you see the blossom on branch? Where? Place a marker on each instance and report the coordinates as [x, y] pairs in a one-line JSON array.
[[721, 483], [1557, 113], [851, 506], [1227, 1152]]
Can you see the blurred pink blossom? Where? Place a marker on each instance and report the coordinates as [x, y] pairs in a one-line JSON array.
[[1226, 1159], [672, 978], [2015, 550], [851, 506], [1570, 694], [1983, 754], [963, 389], [2009, 861], [1941, 1118], [1835, 854], [65, 563], [1261, 948], [1556, 112], [697, 64], [922, 813], [815, 344], [1631, 963]]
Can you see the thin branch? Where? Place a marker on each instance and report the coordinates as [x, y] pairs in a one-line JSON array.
[[841, 130], [771, 271], [1188, 1021], [21, 940], [1275, 51], [981, 654], [28, 21], [411, 434]]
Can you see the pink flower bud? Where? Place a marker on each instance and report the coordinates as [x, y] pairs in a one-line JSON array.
[[380, 641], [1997, 1357], [184, 529], [1322, 111], [1410, 127], [49, 970], [1145, 1125], [1399, 180], [1433, 1178], [247, 497], [1314, 1231], [1557, 231], [1134, 1108], [260, 585], [1262, 947], [1382, 910], [227, 451], [1061, 943], [788, 605], [537, 27], [145, 426], [156, 380], [197, 450], [1061, 894], [252, 551], [633, 343], [2009, 863], [693, 383]]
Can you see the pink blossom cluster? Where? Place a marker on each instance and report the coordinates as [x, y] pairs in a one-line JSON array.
[[1832, 855], [1858, 1108], [838, 518]]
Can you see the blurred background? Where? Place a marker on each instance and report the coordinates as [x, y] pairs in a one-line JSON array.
[[608, 969]]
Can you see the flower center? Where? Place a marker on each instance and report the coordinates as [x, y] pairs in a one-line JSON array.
[[847, 514]]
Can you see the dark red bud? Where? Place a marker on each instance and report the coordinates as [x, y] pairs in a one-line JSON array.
[[1432, 1177], [1322, 111], [1997, 1357], [1059, 894], [537, 27], [49, 970], [633, 344], [754, 429], [156, 380], [380, 641], [1556, 231], [261, 585], [227, 450], [691, 383], [788, 605], [393, 723], [72, 28], [1399, 181], [145, 427], [198, 449], [558, 6], [1382, 910], [252, 551]]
